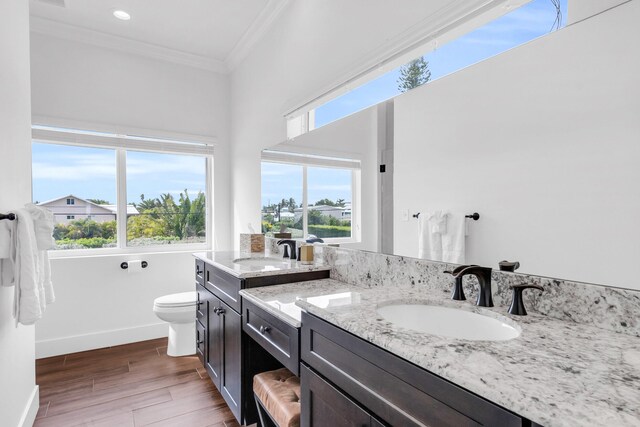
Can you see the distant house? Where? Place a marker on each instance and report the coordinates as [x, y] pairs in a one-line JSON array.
[[70, 208], [338, 212]]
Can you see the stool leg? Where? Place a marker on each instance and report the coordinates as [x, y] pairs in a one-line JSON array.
[[265, 419]]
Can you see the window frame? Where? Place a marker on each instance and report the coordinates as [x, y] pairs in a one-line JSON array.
[[306, 161], [120, 144]]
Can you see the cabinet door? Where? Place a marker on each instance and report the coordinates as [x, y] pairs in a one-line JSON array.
[[324, 405], [214, 343], [201, 342], [231, 359]]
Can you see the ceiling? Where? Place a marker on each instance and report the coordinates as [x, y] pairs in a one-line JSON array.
[[214, 33]]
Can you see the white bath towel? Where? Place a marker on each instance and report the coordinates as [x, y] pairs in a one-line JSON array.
[[453, 242], [7, 256], [43, 224], [27, 304], [5, 238], [430, 225]]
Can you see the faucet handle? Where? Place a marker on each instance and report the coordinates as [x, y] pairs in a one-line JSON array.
[[508, 265], [517, 305], [459, 268]]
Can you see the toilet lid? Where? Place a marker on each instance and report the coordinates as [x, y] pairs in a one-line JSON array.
[[177, 300]]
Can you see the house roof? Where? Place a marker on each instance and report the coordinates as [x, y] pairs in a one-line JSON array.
[[131, 209]]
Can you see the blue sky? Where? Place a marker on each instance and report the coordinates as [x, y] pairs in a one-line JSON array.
[[282, 181], [90, 172]]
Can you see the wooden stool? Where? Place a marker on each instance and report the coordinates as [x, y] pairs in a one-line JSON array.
[[277, 395]]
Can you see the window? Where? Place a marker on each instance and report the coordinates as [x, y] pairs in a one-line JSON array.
[[118, 192], [166, 199], [304, 199], [523, 24]]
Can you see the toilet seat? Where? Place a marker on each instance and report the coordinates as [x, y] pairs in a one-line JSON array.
[[182, 299]]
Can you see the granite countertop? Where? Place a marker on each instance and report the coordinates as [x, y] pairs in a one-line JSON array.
[[280, 300], [251, 263], [556, 373]]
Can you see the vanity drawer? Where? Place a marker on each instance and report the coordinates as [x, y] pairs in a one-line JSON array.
[[279, 338], [201, 303], [392, 388], [199, 272], [201, 341], [224, 286]]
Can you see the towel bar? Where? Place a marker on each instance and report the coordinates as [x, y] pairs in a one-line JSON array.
[[474, 216], [10, 216]]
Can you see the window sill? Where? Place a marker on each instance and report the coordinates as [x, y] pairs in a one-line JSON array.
[[146, 250]]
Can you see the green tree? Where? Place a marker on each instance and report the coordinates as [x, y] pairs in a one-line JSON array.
[[326, 202], [146, 204], [414, 74]]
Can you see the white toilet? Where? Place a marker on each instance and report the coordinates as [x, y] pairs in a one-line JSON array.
[[180, 311]]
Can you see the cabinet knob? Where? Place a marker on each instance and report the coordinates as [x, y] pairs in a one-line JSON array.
[[219, 310], [264, 329]]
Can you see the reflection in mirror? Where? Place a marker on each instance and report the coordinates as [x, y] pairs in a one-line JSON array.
[[540, 140]]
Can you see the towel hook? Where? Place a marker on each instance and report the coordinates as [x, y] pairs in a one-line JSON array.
[[10, 216], [474, 216]]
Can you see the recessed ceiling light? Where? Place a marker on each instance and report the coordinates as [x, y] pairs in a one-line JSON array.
[[121, 14]]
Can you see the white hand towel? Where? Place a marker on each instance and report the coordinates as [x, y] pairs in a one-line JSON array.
[[438, 222], [453, 242], [429, 242]]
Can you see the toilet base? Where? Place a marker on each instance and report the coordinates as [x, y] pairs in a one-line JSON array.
[[182, 339]]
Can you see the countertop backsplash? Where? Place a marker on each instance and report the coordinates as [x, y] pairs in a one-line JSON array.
[[613, 309]]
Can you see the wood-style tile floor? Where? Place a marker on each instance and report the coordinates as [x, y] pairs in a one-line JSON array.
[[128, 385]]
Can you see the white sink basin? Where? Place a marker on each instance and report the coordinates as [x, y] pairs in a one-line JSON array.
[[260, 262], [448, 322]]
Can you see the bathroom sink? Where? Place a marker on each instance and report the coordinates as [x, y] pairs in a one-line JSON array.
[[259, 262], [448, 322]]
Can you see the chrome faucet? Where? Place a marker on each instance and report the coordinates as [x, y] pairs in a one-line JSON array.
[[483, 274], [292, 248]]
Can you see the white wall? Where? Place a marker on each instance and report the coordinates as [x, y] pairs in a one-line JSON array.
[[542, 141], [84, 85], [582, 9], [87, 86], [354, 137], [98, 304], [18, 392], [312, 47]]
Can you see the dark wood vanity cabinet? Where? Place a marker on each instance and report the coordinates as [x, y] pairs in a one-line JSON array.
[[342, 370], [277, 337], [228, 355], [324, 405]]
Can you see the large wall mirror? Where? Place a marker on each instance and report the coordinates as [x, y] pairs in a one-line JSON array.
[[543, 141]]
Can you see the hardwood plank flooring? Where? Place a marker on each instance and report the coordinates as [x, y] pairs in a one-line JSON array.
[[130, 385]]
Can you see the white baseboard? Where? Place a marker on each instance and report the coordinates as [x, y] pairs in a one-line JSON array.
[[101, 339], [31, 410]]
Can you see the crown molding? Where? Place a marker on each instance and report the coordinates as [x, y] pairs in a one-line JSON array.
[[56, 29], [255, 32]]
